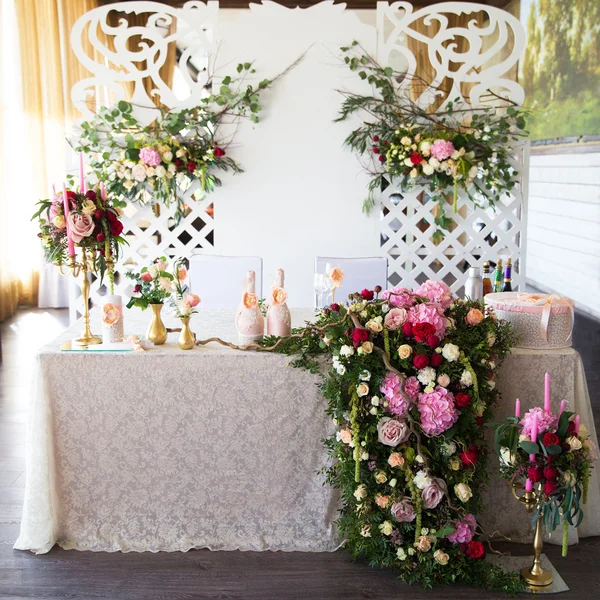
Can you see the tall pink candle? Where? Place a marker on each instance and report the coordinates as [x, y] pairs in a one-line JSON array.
[[82, 187], [534, 428], [528, 485], [518, 408], [68, 230], [53, 190], [547, 407], [102, 191], [577, 424], [563, 405]]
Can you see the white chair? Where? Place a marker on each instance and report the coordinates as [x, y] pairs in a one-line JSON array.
[[359, 273], [218, 280]]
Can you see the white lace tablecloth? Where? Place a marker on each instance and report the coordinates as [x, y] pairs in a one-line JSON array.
[[169, 450], [522, 376]]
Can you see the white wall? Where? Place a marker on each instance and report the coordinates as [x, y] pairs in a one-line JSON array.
[[563, 243]]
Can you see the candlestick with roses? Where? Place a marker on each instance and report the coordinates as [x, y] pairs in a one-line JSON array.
[[410, 384]]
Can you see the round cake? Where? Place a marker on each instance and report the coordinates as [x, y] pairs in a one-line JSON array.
[[538, 320]]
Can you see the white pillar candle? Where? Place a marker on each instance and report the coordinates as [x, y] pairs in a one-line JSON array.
[[112, 319]]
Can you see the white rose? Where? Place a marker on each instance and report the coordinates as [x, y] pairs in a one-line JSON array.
[[455, 463], [466, 378], [362, 390], [583, 433], [341, 370], [451, 352], [138, 173], [404, 351], [375, 401], [129, 164], [160, 171], [507, 457], [406, 141], [393, 482], [385, 308], [375, 325], [574, 443], [88, 207], [411, 551], [167, 156], [386, 528], [408, 162], [401, 554], [448, 448], [473, 172], [428, 169], [443, 380], [128, 184], [414, 173], [366, 348], [373, 410], [366, 531], [422, 480], [180, 153], [346, 351], [184, 308], [426, 375], [150, 171], [425, 147], [365, 375], [172, 168], [463, 492], [361, 492], [491, 383], [435, 163], [165, 284]]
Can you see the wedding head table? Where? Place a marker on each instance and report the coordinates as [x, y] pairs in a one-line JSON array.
[[168, 450]]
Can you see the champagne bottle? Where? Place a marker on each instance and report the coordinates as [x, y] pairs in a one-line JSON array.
[[279, 320], [507, 287], [487, 282], [249, 321], [498, 276]]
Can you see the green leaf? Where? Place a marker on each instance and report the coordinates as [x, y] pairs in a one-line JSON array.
[[553, 449], [240, 68], [530, 447], [362, 75], [388, 71], [247, 65], [445, 531], [124, 106], [226, 80]]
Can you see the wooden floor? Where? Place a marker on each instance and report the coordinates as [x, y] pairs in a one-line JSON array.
[[201, 573]]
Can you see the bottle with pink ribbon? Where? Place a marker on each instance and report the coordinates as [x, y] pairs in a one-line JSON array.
[[279, 320], [249, 321]]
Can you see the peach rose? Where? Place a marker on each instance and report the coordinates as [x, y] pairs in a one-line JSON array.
[[396, 460], [192, 300], [278, 295], [474, 317], [382, 501], [346, 436], [182, 274], [336, 275], [250, 300], [110, 314]]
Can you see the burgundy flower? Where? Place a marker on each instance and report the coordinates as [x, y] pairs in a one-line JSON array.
[[177, 163], [570, 428], [99, 214], [436, 360], [375, 138], [381, 158], [376, 150], [219, 152], [100, 237], [479, 421], [407, 329], [462, 399], [433, 341], [359, 336], [550, 487], [191, 166], [550, 472], [137, 288], [111, 216], [535, 474], [420, 361], [377, 289], [116, 228], [335, 307], [367, 294], [550, 439]]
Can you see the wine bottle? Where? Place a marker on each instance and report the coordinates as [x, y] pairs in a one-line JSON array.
[[507, 287], [498, 276], [487, 282]]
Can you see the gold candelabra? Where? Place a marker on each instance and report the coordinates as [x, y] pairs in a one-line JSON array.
[[535, 576], [85, 266]]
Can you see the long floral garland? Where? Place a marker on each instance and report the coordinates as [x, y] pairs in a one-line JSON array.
[[410, 385], [460, 147]]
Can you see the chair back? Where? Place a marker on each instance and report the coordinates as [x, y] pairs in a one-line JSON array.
[[218, 280]]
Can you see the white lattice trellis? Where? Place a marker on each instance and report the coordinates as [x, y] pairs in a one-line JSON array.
[[493, 46]]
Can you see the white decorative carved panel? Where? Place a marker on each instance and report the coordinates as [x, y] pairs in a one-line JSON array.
[[465, 62]]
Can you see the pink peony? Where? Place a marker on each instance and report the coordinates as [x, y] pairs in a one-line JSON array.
[[400, 297], [395, 318], [429, 313], [392, 432], [403, 510], [150, 156], [442, 149], [438, 412], [546, 421], [436, 291], [391, 388], [465, 530], [412, 388], [433, 493]]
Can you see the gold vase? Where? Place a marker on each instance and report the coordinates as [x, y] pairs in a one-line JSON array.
[[187, 339], [157, 332]]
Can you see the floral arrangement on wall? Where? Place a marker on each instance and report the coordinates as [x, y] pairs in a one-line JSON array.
[[410, 385], [455, 148]]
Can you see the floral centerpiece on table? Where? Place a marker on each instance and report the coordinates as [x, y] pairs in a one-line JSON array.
[[410, 383], [90, 221], [160, 162], [458, 147], [553, 455], [153, 284], [182, 301]]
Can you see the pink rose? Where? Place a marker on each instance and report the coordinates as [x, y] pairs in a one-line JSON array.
[[432, 495], [442, 149], [392, 432], [403, 510], [400, 297], [395, 318], [150, 156], [429, 313], [474, 317], [438, 412], [192, 300], [464, 530], [80, 226], [412, 388], [436, 291]]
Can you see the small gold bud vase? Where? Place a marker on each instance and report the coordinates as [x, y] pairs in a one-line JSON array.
[[157, 332], [187, 339]]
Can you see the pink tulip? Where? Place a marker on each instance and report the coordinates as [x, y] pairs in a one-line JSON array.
[[192, 300]]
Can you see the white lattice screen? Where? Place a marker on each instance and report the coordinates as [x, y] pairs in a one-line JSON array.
[[492, 44]]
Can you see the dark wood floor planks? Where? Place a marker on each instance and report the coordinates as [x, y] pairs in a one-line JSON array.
[[204, 574]]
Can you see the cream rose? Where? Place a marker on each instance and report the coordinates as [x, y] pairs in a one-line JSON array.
[[463, 492], [574, 443], [392, 432], [374, 325], [366, 531], [451, 352], [362, 390], [404, 351], [345, 436], [474, 317], [80, 226], [138, 173], [167, 156], [346, 351], [380, 477], [423, 544], [59, 222], [441, 557], [361, 492], [382, 501], [88, 207], [386, 528], [366, 348]]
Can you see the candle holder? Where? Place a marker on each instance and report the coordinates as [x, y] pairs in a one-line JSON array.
[[75, 268], [535, 576]]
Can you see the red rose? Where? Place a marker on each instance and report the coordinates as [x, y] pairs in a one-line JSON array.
[[421, 361], [375, 138], [550, 472], [381, 158], [433, 341], [111, 216], [535, 474], [436, 360], [422, 330], [415, 159], [377, 289], [407, 329], [367, 294], [191, 166], [469, 457], [100, 237], [376, 150], [335, 307], [91, 195], [462, 400], [177, 163], [550, 487], [571, 428], [550, 439], [475, 550], [479, 421], [99, 214], [137, 288], [219, 152], [359, 336], [116, 228], [71, 195]]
